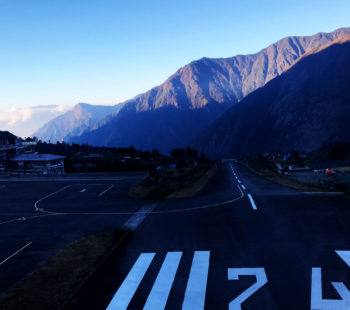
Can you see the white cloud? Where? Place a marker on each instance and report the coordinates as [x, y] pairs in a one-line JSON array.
[[15, 115], [24, 121]]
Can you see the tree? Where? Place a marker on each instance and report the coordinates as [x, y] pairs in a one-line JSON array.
[[339, 150], [192, 154], [178, 154], [155, 153]]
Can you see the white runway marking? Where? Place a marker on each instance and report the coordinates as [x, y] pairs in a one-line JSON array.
[[21, 249], [105, 191], [252, 202], [158, 297], [21, 219], [261, 280], [243, 187], [197, 282], [133, 222], [49, 195], [83, 190], [128, 288], [345, 256], [317, 301], [239, 181]]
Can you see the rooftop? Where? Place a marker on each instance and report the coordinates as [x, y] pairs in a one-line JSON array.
[[37, 157], [7, 135]]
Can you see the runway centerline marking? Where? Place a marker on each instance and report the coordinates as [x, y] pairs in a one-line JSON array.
[[197, 282], [252, 202], [83, 190], [243, 187], [128, 288], [21, 249]]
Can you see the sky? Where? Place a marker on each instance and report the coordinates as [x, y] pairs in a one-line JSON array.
[[63, 52]]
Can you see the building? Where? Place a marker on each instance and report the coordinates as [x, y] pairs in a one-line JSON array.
[[38, 163], [9, 147], [19, 156]]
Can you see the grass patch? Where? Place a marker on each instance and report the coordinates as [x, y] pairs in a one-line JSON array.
[[174, 183], [196, 186], [264, 170], [52, 285]]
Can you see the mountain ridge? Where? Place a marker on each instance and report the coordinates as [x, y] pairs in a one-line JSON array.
[[73, 122], [208, 87], [300, 110]]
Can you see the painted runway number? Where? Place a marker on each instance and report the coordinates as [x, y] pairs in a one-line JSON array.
[[196, 287], [261, 280], [317, 301]]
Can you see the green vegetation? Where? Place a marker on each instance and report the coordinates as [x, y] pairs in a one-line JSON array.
[[52, 285], [326, 169], [183, 177], [267, 171], [87, 158]]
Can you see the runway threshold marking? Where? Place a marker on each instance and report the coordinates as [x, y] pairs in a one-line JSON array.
[[158, 297], [252, 202], [128, 288], [12, 255], [197, 282], [105, 191]]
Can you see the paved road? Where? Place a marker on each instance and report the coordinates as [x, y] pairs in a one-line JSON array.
[[243, 243], [69, 207]]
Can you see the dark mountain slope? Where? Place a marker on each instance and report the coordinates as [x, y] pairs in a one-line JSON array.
[[190, 100], [299, 110]]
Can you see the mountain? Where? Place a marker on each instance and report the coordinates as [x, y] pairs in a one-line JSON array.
[[24, 121], [172, 114], [73, 122], [303, 108]]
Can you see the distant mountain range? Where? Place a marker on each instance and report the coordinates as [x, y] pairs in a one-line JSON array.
[[24, 121], [175, 112], [73, 122], [303, 108]]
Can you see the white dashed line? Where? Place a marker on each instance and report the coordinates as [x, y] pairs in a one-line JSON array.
[[243, 187], [21, 249], [83, 190], [252, 202]]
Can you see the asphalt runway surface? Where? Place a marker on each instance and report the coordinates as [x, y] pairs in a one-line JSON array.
[[242, 243], [40, 217]]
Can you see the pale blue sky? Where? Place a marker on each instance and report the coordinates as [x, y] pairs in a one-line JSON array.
[[105, 51]]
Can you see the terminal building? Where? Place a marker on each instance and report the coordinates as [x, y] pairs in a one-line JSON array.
[[18, 156]]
